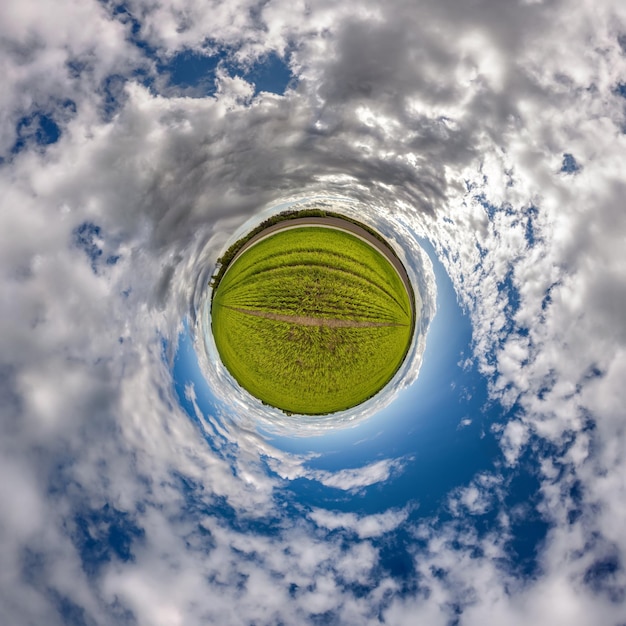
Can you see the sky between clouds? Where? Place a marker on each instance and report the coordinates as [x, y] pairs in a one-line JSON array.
[[493, 130]]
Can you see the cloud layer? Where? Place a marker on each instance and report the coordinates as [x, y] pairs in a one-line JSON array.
[[494, 132]]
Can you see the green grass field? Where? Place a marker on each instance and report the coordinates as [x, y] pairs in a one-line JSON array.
[[312, 320]]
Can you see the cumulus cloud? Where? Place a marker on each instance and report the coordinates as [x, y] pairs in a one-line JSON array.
[[365, 527]]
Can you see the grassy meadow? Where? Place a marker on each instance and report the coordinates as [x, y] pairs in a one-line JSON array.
[[312, 320]]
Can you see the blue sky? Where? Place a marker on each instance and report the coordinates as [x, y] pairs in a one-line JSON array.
[[440, 428], [139, 486]]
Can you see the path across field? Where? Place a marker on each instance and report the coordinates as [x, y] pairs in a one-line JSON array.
[[312, 321]]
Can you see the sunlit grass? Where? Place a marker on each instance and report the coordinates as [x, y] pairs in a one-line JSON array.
[[349, 323]]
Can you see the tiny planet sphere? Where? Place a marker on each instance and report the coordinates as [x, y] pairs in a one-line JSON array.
[[312, 314]]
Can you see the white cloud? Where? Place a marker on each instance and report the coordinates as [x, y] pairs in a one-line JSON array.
[[357, 478], [514, 437], [365, 526], [44, 45]]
